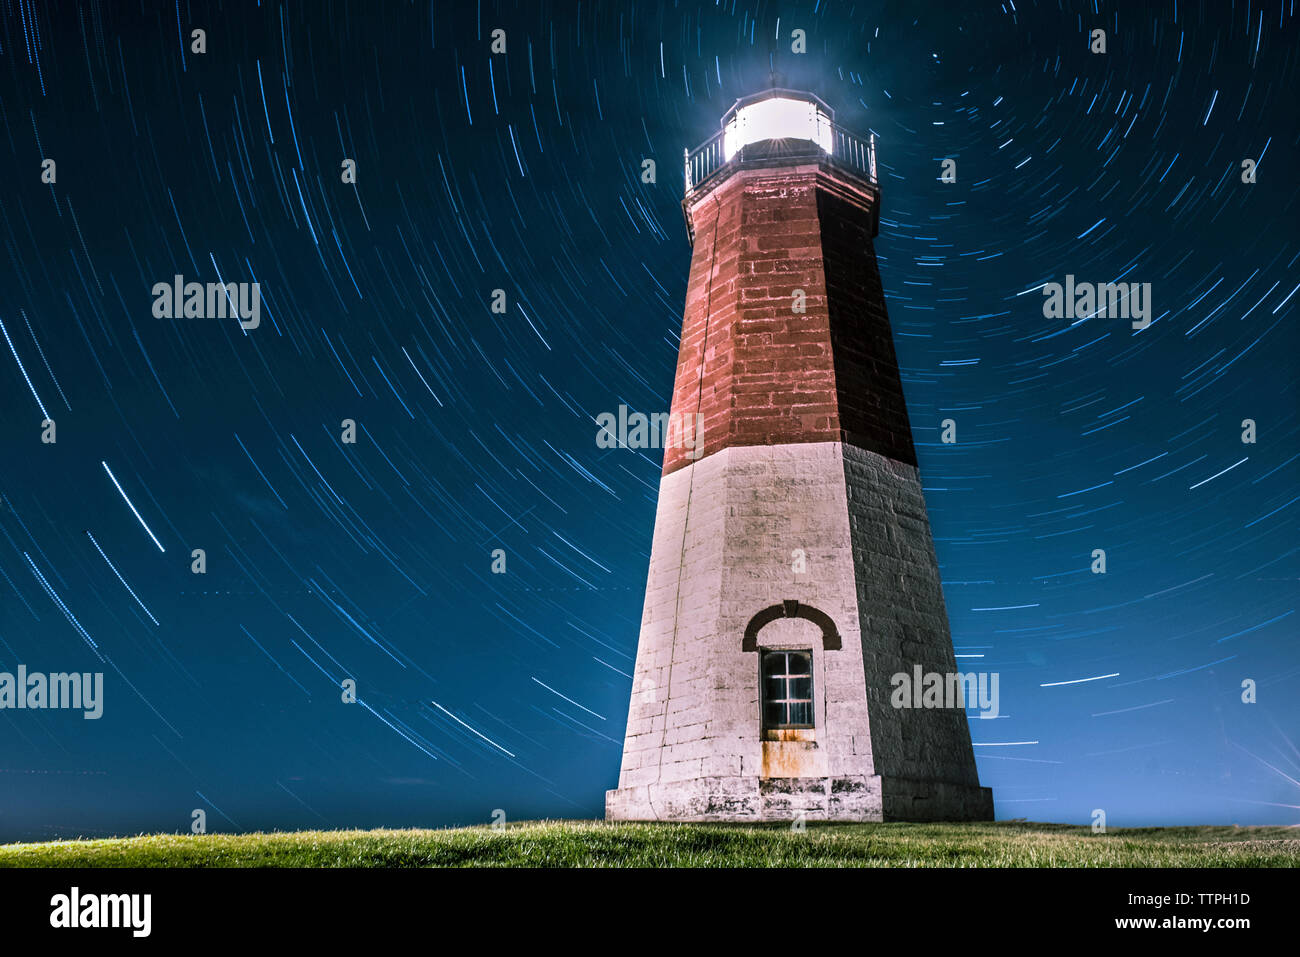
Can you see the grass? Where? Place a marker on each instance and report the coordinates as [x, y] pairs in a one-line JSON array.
[[600, 844]]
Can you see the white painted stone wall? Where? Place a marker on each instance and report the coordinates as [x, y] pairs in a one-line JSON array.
[[725, 533]]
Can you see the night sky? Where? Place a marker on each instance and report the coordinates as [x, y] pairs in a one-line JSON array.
[[475, 430]]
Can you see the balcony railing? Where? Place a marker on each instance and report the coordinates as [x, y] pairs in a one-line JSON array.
[[847, 149]]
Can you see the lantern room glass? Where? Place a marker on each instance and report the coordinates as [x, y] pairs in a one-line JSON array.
[[776, 118]]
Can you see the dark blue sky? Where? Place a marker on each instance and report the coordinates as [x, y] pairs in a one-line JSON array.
[[521, 171]]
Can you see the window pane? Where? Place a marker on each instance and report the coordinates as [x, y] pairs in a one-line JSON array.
[[799, 664], [786, 689], [772, 715], [773, 663], [800, 689]]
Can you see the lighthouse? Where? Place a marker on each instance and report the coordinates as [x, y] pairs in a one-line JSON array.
[[792, 572]]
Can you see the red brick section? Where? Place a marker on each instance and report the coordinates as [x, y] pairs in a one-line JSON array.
[[771, 376]]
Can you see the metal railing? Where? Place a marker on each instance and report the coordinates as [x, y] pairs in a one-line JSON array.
[[848, 150]]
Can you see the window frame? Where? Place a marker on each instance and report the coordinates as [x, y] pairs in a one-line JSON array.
[[786, 702]]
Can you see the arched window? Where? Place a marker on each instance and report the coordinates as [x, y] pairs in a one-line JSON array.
[[785, 677], [791, 609], [787, 689]]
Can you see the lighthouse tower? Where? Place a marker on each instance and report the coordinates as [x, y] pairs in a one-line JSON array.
[[792, 572]]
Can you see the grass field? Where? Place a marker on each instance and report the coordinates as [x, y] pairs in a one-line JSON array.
[[598, 844]]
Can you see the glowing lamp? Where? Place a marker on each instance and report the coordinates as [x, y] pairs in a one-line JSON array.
[[776, 115]]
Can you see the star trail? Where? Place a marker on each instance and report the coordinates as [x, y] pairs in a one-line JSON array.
[[329, 508]]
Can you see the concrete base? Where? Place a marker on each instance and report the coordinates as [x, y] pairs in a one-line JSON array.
[[844, 799], [726, 532], [907, 800]]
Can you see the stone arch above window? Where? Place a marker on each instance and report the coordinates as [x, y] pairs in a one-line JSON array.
[[791, 609]]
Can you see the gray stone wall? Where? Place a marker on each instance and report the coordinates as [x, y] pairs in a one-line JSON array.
[[903, 620]]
